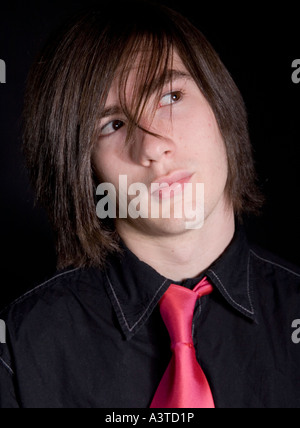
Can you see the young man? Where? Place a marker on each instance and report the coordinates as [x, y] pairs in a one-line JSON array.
[[132, 96]]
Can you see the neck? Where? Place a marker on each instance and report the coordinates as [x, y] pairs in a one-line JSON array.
[[186, 255]]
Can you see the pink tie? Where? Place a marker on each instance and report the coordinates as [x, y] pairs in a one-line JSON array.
[[184, 384]]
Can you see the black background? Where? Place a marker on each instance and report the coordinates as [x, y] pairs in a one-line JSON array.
[[257, 43]]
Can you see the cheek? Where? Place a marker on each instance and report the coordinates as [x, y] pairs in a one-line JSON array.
[[106, 165], [201, 140], [216, 161], [218, 153], [204, 148]]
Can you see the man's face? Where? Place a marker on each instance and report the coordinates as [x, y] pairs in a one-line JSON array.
[[189, 149]]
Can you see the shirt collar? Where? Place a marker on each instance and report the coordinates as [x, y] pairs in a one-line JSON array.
[[230, 274], [135, 288]]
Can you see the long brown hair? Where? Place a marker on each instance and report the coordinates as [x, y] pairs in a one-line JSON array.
[[66, 93]]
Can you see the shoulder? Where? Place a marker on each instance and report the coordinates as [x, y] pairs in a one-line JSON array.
[[53, 296], [56, 318], [270, 262], [276, 279]]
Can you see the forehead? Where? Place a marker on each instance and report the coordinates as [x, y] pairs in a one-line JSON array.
[[142, 77], [142, 62]]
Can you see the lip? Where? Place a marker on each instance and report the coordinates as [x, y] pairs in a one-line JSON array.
[[174, 181], [174, 177]]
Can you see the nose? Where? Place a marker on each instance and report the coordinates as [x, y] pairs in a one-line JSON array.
[[150, 147]]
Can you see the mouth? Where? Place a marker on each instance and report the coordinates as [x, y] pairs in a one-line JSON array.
[[170, 185]]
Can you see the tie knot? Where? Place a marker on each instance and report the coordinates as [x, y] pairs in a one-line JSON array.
[[177, 309]]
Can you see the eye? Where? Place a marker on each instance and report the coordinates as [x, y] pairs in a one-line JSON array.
[[170, 98], [111, 127]]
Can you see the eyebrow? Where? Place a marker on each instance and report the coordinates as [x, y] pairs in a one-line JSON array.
[[163, 80], [171, 76], [111, 111]]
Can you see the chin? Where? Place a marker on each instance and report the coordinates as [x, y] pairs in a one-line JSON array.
[[165, 227]]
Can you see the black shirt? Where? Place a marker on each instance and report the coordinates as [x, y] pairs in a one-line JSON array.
[[92, 338]]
